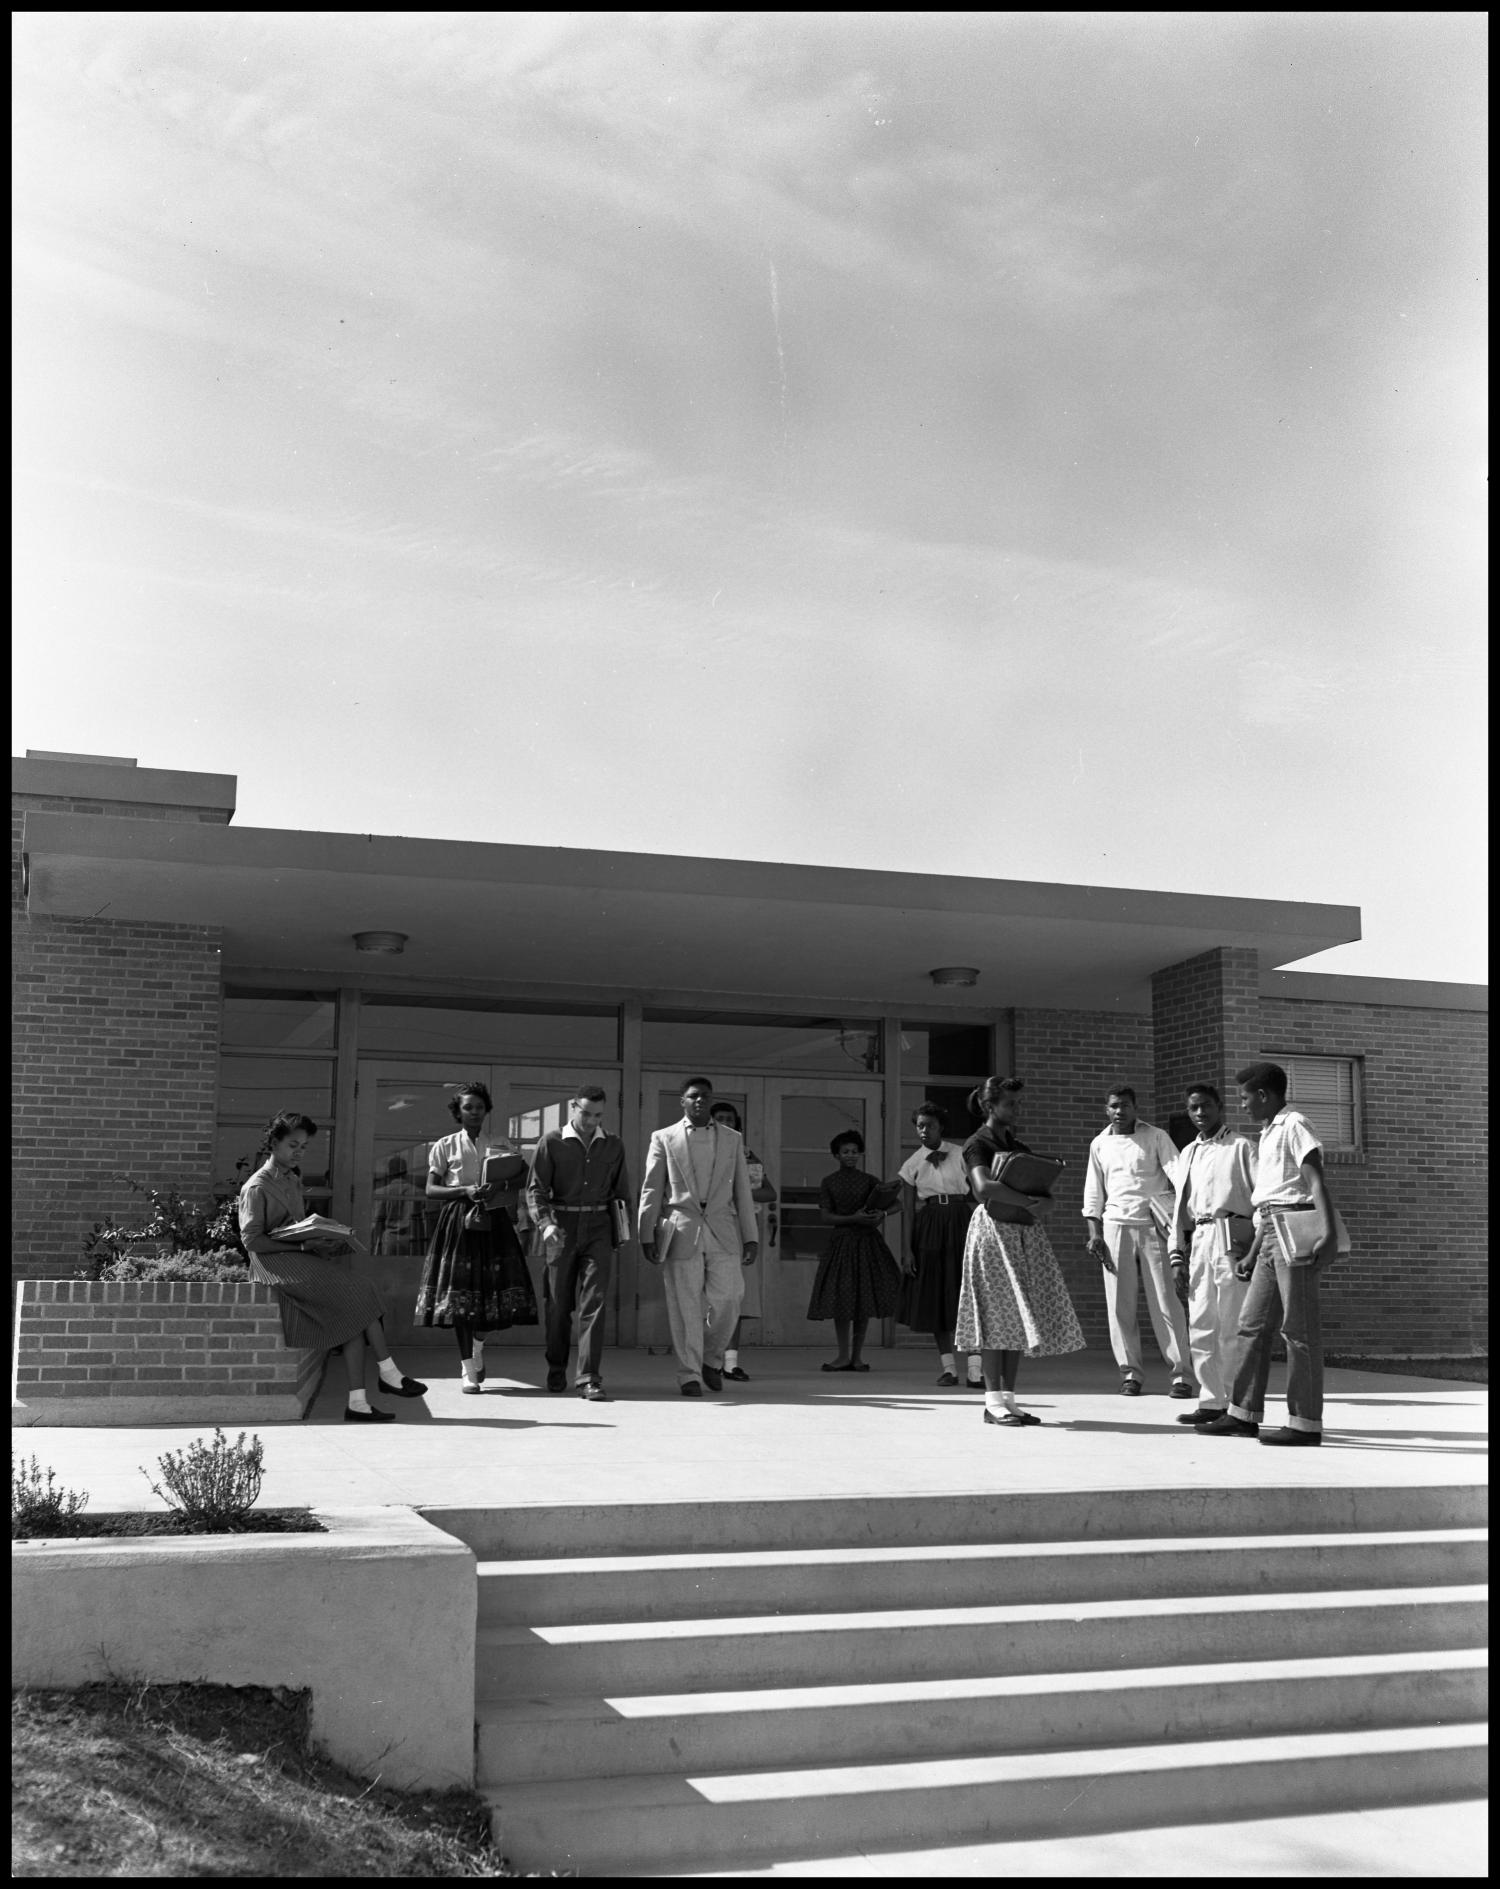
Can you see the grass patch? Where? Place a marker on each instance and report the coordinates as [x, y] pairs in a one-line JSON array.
[[166, 1522], [1461, 1370], [196, 1780]]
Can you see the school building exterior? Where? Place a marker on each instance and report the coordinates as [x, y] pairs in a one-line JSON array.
[[178, 978]]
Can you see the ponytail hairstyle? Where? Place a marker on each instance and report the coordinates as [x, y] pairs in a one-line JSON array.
[[287, 1121], [984, 1098]]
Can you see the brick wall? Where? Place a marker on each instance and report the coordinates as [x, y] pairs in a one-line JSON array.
[[115, 1044], [85, 1338], [1068, 1060], [1205, 1015], [1417, 1281]]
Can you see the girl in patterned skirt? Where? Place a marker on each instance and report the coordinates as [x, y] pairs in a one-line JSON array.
[[1012, 1299], [858, 1278], [325, 1305], [475, 1277]]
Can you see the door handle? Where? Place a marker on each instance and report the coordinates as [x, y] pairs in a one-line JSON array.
[[773, 1222]]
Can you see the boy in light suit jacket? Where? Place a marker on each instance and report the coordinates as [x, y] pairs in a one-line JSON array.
[[697, 1222]]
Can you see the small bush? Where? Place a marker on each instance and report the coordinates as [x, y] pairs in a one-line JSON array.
[[215, 1484], [225, 1265], [38, 1505]]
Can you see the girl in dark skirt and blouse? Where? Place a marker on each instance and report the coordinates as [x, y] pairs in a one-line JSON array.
[[324, 1306], [475, 1276], [857, 1277], [1013, 1299], [935, 1208]]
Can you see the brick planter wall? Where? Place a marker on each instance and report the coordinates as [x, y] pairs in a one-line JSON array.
[[93, 1352]]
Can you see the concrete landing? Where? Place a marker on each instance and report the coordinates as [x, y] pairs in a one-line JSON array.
[[792, 1432]]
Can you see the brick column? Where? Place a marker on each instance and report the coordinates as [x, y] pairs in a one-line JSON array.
[[1205, 1015]]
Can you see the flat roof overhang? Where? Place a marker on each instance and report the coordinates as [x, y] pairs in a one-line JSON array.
[[567, 917]]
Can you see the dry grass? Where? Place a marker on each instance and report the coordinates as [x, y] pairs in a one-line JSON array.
[[120, 1780]]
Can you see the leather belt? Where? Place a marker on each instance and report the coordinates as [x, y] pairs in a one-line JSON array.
[[603, 1207]]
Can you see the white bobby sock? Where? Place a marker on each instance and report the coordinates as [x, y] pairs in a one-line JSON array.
[[731, 1360], [1009, 1398], [470, 1370], [994, 1402], [358, 1401], [976, 1370], [949, 1362], [390, 1372]]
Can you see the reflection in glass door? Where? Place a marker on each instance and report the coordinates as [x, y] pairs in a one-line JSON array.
[[402, 1108]]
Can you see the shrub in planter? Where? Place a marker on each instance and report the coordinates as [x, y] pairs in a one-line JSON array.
[[225, 1265], [38, 1505], [215, 1484], [168, 1219]]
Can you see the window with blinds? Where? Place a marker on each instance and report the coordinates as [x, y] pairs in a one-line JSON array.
[[1327, 1091]]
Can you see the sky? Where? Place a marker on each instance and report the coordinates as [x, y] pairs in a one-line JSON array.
[[1029, 446]]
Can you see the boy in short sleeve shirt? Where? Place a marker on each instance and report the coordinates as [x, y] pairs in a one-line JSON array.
[[1288, 1178]]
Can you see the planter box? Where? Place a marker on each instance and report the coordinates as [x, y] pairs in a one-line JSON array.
[[93, 1352], [376, 1618]]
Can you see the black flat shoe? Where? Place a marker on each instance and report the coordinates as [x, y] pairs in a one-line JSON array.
[[713, 1378], [1294, 1439], [838, 1367], [691, 1389], [737, 1376], [369, 1416], [1006, 1421], [408, 1387], [557, 1380]]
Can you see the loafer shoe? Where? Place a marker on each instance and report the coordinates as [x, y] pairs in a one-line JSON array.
[[593, 1393], [947, 1381], [691, 1389], [408, 1387], [471, 1387], [1130, 1387], [1230, 1426], [1181, 1387], [369, 1416], [737, 1376], [1200, 1419], [557, 1380], [1294, 1439], [1007, 1419], [714, 1379]]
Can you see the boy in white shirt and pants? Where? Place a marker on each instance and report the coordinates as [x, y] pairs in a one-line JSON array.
[[1128, 1198]]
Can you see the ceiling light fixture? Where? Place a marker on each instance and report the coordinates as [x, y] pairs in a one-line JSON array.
[[954, 974], [393, 943]]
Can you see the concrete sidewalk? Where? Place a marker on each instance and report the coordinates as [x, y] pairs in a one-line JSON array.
[[792, 1432]]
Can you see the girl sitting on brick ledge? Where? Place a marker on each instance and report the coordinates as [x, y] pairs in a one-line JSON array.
[[323, 1307]]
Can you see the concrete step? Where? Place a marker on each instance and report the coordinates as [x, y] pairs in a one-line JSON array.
[[543, 1531], [1448, 1839], [555, 1739], [698, 1586], [548, 1661], [643, 1825]]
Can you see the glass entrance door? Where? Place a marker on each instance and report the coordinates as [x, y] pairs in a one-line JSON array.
[[788, 1122], [400, 1110]]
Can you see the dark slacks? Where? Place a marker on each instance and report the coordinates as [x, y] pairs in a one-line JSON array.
[[577, 1274], [1294, 1291]]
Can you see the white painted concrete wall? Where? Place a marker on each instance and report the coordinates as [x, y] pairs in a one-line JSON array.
[[376, 1618]]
